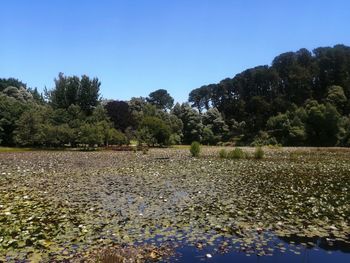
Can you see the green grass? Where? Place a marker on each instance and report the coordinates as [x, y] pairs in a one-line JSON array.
[[134, 142], [14, 149]]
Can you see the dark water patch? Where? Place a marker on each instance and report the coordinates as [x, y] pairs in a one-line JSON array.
[[295, 250]]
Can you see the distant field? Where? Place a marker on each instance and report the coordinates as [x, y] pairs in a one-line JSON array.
[[66, 205]]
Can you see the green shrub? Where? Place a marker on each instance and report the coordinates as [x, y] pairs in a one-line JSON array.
[[223, 153], [116, 137], [154, 131], [259, 153], [195, 149], [237, 153]]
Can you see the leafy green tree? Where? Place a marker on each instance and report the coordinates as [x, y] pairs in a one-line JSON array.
[[333, 65], [154, 131], [236, 128], [336, 97], [200, 98], [192, 122], [175, 124], [344, 131], [161, 99], [29, 131], [90, 135], [139, 108], [258, 93], [38, 97], [208, 136], [10, 111], [214, 122], [116, 137], [64, 134], [99, 114], [11, 82], [49, 135], [58, 97], [20, 94], [258, 111], [279, 126], [73, 90], [322, 124], [287, 128], [88, 94]]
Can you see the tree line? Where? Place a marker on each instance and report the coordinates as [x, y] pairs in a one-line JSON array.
[[301, 99]]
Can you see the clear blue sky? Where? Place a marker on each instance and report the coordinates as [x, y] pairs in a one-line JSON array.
[[137, 46]]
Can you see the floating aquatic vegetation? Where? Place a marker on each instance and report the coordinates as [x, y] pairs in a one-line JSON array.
[[57, 205]]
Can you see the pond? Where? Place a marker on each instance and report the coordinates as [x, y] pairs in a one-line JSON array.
[[292, 206]]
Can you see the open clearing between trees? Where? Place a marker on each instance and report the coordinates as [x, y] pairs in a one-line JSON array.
[[65, 205]]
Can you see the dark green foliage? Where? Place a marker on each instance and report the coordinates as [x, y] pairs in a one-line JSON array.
[[263, 138], [215, 129], [192, 122], [20, 94], [11, 82], [237, 153], [344, 131], [322, 124], [37, 97], [208, 136], [258, 95], [161, 99], [301, 99], [200, 98], [74, 90], [223, 153], [140, 109], [288, 128], [195, 149], [10, 111], [29, 131], [116, 137], [28, 121], [336, 97], [154, 131], [88, 93], [259, 153]]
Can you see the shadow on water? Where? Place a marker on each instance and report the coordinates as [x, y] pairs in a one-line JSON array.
[[326, 244], [298, 250]]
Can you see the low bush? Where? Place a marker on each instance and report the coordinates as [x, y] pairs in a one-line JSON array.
[[259, 153], [237, 153], [195, 149], [223, 153]]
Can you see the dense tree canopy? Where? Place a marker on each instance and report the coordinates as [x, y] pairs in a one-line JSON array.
[[161, 99], [302, 98], [83, 92], [120, 114], [265, 98]]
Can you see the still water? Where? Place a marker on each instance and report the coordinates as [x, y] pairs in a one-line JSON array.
[[321, 252]]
